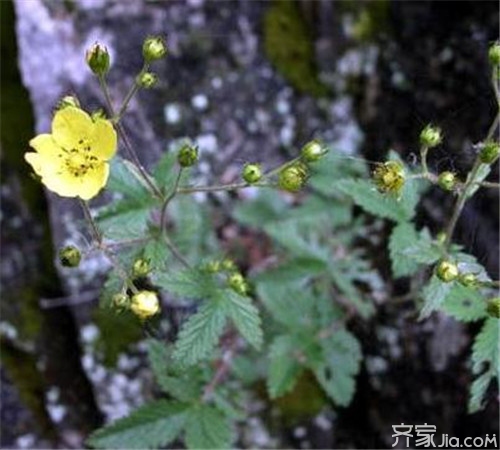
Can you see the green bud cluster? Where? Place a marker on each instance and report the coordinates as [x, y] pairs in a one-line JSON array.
[[68, 100], [236, 281], [98, 60], [389, 177], [70, 256], [188, 155], [313, 151], [252, 173], [493, 307], [293, 177], [447, 181], [494, 54], [447, 271], [468, 280], [216, 266], [490, 152], [121, 301], [154, 48], [146, 80], [430, 137], [141, 268]]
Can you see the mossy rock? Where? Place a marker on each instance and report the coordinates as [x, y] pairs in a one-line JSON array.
[[289, 46]]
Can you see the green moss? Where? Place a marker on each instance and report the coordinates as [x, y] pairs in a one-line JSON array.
[[22, 370], [288, 45]]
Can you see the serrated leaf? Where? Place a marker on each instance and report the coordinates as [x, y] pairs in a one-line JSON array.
[[124, 220], [166, 170], [184, 385], [486, 346], [478, 390], [403, 236], [485, 354], [365, 195], [284, 368], [290, 304], [200, 333], [122, 180], [186, 283], [157, 253], [345, 284], [433, 294], [465, 304], [337, 369], [207, 428], [151, 426], [245, 317]]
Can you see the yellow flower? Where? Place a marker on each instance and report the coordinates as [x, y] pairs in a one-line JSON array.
[[389, 177], [145, 304], [73, 160]]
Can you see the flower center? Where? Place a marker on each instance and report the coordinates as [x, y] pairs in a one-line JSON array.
[[79, 161]]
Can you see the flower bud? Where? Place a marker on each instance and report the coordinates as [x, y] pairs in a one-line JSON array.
[[98, 114], [70, 256], [430, 136], [252, 173], [447, 181], [313, 151], [468, 280], [97, 58], [490, 152], [493, 307], [237, 283], [292, 178], [447, 271], [154, 48], [147, 80], [121, 300], [187, 156], [145, 304], [228, 264], [212, 266], [68, 100], [389, 177], [494, 54], [141, 268]]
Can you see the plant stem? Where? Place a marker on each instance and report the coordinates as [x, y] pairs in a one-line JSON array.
[[128, 146], [168, 198], [222, 187], [132, 91], [100, 244], [489, 184], [460, 203], [175, 251], [423, 159]]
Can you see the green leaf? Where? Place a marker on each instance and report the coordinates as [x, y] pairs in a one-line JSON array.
[[157, 253], [364, 194], [482, 173], [206, 427], [151, 426], [486, 346], [186, 283], [434, 293], [485, 355], [290, 304], [200, 333], [266, 208], [403, 236], [124, 220], [465, 304], [337, 369], [284, 368], [245, 317], [184, 384], [166, 170], [124, 179]]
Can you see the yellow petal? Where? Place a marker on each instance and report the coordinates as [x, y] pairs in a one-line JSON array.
[[93, 182], [45, 144], [62, 183], [103, 141], [71, 125], [42, 164]]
